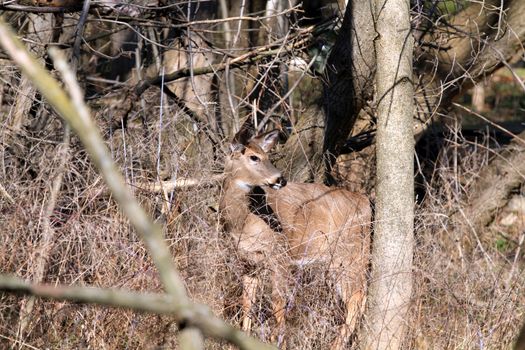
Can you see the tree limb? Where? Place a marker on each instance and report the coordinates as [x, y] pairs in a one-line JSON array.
[[465, 48], [496, 50], [481, 39], [190, 314]]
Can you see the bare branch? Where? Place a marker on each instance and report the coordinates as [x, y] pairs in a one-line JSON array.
[[162, 304], [178, 183], [77, 115], [240, 61]]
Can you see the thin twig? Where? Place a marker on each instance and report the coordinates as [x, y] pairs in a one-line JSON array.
[[514, 136], [79, 32], [290, 91], [240, 61], [6, 195]]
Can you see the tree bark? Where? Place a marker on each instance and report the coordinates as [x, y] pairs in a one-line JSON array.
[[349, 81], [392, 252]]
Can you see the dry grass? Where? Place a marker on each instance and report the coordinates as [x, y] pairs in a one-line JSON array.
[[469, 287], [93, 244]]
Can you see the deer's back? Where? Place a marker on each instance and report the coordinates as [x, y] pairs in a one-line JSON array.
[[321, 222]]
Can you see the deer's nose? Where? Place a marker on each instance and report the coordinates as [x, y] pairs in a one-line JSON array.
[[280, 182]]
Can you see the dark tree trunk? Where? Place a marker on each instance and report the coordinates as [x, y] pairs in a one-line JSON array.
[[349, 78]]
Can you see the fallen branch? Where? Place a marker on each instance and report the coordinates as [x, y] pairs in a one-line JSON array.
[[157, 187], [160, 186], [498, 179]]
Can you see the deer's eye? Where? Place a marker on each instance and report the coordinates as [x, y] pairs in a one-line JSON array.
[[255, 158]]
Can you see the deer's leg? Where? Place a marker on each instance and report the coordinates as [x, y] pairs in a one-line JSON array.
[[352, 290], [280, 284], [249, 293]]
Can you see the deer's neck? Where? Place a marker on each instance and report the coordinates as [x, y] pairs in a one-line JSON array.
[[239, 201], [234, 204]]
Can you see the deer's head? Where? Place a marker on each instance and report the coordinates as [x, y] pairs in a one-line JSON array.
[[249, 165]]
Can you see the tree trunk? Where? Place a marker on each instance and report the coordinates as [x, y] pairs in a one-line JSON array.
[[349, 76], [392, 252]]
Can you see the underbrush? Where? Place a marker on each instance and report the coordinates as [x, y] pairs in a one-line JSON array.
[[469, 286]]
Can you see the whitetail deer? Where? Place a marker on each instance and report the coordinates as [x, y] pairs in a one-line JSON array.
[[294, 223]]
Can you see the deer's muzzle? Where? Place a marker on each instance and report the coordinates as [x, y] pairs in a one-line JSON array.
[[279, 183]]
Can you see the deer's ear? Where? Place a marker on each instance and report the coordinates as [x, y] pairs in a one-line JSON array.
[[237, 148], [267, 141], [244, 135]]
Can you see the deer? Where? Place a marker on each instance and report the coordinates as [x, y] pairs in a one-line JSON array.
[[281, 224]]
